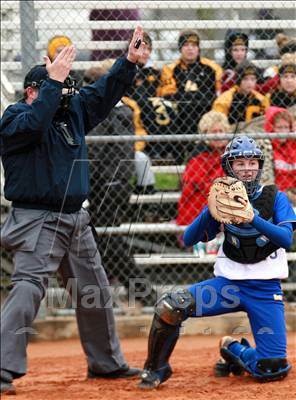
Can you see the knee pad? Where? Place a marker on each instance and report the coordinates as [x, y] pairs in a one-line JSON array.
[[272, 369], [174, 307]]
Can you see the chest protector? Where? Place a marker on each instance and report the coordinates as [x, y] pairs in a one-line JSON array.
[[243, 243]]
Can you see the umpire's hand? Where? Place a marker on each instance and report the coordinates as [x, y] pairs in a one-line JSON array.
[[135, 53], [60, 68]]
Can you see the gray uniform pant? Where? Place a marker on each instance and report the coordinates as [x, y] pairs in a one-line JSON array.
[[43, 242]]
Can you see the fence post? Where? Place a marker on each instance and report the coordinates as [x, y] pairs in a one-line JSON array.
[[28, 35]]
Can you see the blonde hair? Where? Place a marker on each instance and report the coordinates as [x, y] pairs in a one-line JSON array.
[[289, 58], [282, 40], [211, 118], [55, 42], [286, 44]]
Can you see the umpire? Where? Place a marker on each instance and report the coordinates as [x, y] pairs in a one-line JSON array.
[[47, 179]]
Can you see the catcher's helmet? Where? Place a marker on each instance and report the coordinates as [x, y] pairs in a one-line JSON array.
[[243, 146]]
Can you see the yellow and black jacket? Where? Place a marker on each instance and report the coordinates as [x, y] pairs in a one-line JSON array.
[[151, 114], [193, 87], [178, 77], [280, 98], [241, 108]]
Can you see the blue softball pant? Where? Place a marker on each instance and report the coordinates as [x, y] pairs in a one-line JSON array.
[[260, 299]]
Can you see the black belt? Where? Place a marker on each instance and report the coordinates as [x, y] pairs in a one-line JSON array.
[[54, 208]]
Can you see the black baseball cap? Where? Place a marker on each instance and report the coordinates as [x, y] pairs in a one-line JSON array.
[[36, 76]]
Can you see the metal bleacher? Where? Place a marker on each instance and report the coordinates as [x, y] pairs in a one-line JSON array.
[[11, 44], [11, 69]]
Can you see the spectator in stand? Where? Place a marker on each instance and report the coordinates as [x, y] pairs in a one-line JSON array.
[[193, 82], [202, 169], [236, 49], [242, 102], [140, 98], [279, 120], [287, 53], [111, 169], [265, 53], [285, 94], [111, 164]]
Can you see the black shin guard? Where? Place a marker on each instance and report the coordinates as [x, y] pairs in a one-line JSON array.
[[161, 343]]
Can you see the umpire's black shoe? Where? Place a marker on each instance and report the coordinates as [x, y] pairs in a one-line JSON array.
[[152, 379], [6, 385], [126, 372]]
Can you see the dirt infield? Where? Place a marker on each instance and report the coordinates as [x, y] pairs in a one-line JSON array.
[[57, 371]]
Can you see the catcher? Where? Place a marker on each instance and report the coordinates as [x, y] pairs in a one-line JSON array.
[[258, 225]]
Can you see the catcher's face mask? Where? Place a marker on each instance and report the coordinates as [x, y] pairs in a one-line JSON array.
[[245, 169], [249, 161]]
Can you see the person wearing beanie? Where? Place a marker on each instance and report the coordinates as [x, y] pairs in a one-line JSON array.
[[287, 54], [280, 120], [192, 81], [285, 93], [236, 48], [242, 102], [188, 37]]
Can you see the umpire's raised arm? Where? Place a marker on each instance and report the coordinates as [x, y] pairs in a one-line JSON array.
[[98, 99]]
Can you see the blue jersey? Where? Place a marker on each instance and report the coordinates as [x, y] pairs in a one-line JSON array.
[[279, 231], [205, 228]]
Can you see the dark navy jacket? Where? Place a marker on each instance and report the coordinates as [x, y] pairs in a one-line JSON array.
[[42, 169]]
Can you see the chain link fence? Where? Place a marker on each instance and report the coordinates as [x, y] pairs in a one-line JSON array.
[[209, 67]]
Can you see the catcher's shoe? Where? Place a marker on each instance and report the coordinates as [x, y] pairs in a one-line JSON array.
[[152, 379], [226, 367]]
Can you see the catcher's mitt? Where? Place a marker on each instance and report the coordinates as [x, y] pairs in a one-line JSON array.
[[228, 201]]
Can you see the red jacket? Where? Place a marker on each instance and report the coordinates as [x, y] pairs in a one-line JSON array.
[[228, 80], [269, 85], [284, 153], [196, 181]]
